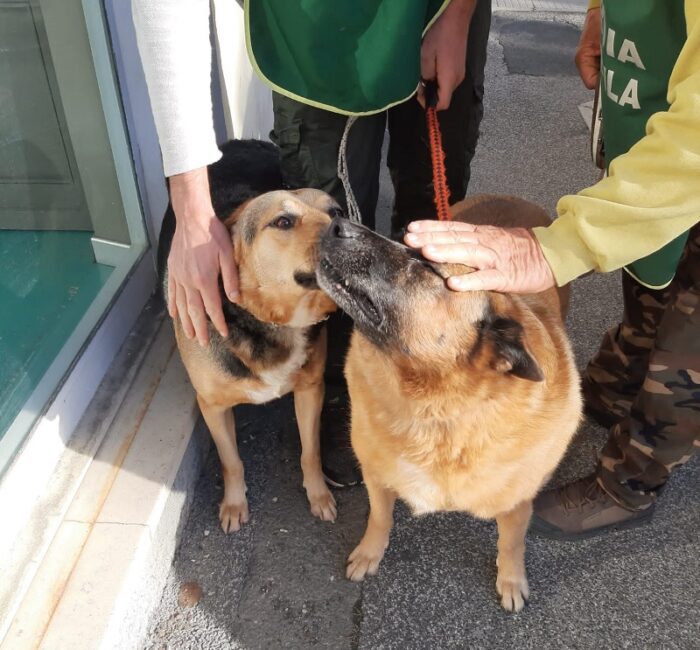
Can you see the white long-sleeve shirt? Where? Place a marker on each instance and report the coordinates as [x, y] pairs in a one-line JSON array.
[[175, 47]]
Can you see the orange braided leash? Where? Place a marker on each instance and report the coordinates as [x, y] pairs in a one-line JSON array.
[[437, 154]]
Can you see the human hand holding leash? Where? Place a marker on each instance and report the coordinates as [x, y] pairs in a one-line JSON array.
[[444, 51], [588, 51], [504, 259], [201, 250]]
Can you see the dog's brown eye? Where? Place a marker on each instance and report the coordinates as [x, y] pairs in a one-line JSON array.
[[283, 223]]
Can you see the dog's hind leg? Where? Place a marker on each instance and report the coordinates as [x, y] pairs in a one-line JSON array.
[[365, 559], [233, 510], [511, 582], [308, 401]]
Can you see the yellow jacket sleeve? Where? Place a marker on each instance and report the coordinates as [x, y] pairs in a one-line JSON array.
[[652, 193], [593, 4]]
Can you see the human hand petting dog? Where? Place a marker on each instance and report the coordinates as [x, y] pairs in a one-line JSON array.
[[201, 250], [444, 51], [504, 259]]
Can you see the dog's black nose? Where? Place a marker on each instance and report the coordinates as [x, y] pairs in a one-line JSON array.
[[343, 228]]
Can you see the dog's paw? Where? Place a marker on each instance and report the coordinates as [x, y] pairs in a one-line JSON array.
[[513, 591], [323, 505], [233, 515], [363, 561]]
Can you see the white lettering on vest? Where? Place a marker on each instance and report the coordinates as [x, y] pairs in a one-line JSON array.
[[610, 42], [608, 85], [629, 53], [630, 96]]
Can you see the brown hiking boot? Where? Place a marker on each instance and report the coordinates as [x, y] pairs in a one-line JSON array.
[[580, 510]]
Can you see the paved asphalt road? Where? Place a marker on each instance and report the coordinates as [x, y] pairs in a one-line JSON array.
[[279, 582]]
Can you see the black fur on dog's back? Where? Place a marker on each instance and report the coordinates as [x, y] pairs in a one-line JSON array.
[[246, 169]]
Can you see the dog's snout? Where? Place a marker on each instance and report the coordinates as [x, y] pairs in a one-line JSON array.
[[343, 228]]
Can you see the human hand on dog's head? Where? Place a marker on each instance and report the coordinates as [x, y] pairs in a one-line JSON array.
[[201, 251], [505, 259]]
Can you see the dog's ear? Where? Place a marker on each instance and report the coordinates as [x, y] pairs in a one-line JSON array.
[[231, 220], [232, 225], [447, 270], [509, 353]]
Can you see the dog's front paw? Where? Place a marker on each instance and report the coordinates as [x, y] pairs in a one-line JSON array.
[[323, 504], [233, 515], [513, 591], [363, 561]]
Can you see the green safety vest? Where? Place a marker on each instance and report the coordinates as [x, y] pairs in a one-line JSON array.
[[640, 42], [355, 57]]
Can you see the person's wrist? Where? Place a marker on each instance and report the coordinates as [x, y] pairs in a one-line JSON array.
[[539, 260], [592, 20], [458, 14], [461, 7], [190, 195]]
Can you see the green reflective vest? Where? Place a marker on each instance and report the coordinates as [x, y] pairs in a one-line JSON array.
[[354, 57], [640, 42]]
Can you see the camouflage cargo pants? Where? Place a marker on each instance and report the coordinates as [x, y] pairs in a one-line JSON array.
[[645, 383]]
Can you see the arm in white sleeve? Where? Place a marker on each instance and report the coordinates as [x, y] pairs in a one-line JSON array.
[[176, 53]]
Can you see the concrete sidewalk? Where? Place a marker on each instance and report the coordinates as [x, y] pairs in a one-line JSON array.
[[279, 583]]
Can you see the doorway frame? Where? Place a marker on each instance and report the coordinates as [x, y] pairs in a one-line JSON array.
[[34, 442]]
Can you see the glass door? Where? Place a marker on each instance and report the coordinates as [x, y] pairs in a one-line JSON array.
[[67, 241]]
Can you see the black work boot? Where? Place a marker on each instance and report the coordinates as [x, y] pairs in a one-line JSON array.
[[340, 466], [582, 509]]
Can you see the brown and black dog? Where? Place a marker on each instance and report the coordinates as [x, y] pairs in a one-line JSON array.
[[276, 342], [460, 401]]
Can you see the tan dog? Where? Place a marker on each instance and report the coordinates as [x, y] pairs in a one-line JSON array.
[[460, 401], [276, 341]]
